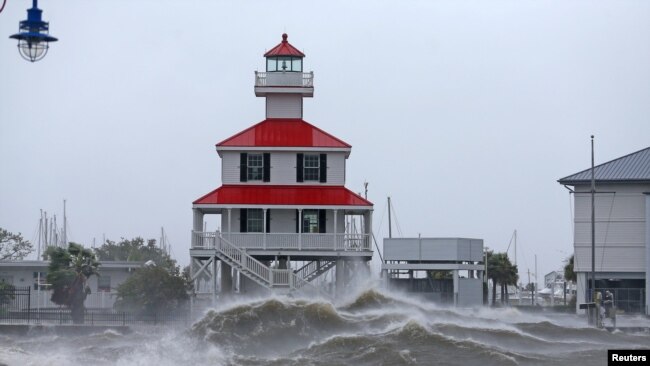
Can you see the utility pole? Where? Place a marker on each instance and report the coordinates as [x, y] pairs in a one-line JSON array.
[[65, 227], [593, 233], [535, 279], [365, 187], [532, 301]]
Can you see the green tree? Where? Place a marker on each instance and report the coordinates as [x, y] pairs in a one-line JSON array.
[[154, 289], [7, 293], [569, 274], [502, 272], [68, 273], [13, 246], [134, 250]]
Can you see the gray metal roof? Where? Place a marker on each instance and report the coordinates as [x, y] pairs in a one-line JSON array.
[[631, 168]]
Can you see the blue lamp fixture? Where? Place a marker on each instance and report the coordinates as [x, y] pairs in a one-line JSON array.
[[33, 37]]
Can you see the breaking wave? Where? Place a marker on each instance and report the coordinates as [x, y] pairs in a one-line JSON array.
[[371, 328]]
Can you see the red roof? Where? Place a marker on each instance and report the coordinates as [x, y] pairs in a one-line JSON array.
[[284, 49], [278, 132], [283, 195]]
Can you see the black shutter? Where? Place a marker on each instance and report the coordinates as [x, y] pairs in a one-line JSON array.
[[267, 167], [243, 167], [243, 218], [299, 168], [268, 220], [321, 221], [323, 168], [297, 221]]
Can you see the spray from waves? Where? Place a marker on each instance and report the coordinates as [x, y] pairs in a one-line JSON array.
[[371, 328], [380, 328]]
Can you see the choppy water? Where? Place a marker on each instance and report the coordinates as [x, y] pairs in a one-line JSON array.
[[371, 329]]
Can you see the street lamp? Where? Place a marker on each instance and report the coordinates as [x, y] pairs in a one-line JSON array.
[[33, 37]]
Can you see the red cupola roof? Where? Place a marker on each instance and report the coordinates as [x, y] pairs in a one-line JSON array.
[[284, 49], [278, 132]]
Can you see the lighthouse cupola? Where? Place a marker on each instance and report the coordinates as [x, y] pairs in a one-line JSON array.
[[284, 83], [284, 57]]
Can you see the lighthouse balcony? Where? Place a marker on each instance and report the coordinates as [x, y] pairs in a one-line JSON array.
[[284, 241], [284, 82]]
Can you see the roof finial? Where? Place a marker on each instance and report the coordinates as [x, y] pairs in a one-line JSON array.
[[284, 37]]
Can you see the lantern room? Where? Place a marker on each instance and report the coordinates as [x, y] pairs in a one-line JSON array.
[[284, 73], [284, 57]]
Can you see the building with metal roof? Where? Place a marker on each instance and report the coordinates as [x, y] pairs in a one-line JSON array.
[[285, 215], [622, 230]]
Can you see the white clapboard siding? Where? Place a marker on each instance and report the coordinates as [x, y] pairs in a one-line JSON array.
[[284, 106], [283, 168], [609, 259], [620, 228]]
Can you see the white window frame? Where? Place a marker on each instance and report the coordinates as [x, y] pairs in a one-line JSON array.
[[252, 221], [305, 168], [255, 167]]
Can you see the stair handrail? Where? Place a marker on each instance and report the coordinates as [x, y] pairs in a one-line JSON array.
[[243, 259]]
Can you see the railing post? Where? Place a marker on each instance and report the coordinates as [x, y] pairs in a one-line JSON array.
[[299, 229]]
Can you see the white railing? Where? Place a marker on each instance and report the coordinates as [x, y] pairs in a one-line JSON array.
[[270, 277], [96, 299], [313, 267], [284, 241], [289, 79]]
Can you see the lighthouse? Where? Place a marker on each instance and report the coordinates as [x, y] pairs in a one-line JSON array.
[[288, 223]]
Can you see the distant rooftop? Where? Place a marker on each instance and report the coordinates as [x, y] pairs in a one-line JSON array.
[[631, 168]]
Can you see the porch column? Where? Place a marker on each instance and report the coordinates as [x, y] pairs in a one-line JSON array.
[[455, 276], [197, 226], [214, 280], [340, 278], [264, 229], [229, 222], [226, 278], [300, 229], [335, 232], [367, 242]]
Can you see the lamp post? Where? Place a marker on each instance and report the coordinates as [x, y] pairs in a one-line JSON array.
[[33, 36]]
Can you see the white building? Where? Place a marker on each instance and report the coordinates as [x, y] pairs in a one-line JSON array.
[[622, 234], [286, 216], [445, 270], [27, 273]]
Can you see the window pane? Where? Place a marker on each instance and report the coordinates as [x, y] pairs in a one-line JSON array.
[[296, 64], [104, 283], [255, 220], [255, 167], [311, 167], [271, 64], [284, 63], [310, 221]]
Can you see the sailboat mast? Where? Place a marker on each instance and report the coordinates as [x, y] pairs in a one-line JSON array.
[[390, 226], [65, 226]]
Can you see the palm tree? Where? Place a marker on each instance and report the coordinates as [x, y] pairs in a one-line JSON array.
[[68, 274], [501, 271], [569, 274]]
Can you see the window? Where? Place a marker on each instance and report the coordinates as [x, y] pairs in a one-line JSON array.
[[310, 221], [255, 220], [313, 221], [40, 282], [312, 167], [284, 63], [104, 283], [255, 166]]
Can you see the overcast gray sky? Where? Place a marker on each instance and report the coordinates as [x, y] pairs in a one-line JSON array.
[[465, 112]]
